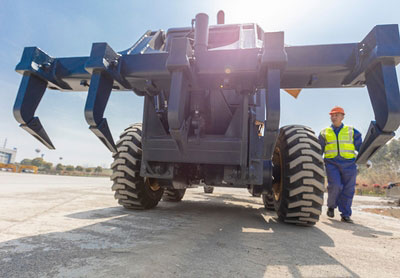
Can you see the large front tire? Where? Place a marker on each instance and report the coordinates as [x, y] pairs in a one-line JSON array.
[[298, 186], [131, 190]]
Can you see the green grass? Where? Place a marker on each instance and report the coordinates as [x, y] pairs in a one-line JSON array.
[[370, 192]]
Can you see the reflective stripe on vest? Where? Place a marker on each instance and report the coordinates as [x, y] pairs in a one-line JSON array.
[[343, 145]]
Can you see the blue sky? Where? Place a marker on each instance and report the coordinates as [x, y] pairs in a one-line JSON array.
[[68, 28]]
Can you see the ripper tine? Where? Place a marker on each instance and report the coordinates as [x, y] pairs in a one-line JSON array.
[[30, 93], [99, 92], [101, 85]]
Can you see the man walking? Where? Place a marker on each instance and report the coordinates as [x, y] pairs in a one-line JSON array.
[[340, 143]]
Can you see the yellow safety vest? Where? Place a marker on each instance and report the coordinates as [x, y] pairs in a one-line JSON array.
[[343, 145]]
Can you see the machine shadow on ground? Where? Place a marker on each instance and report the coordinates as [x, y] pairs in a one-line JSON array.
[[213, 237]]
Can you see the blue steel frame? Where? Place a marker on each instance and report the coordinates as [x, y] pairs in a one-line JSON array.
[[183, 63]]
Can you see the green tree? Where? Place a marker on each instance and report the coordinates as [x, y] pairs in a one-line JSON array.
[[394, 151], [88, 170], [47, 166], [26, 161], [59, 167], [38, 162], [79, 168], [386, 165], [70, 168], [98, 169]]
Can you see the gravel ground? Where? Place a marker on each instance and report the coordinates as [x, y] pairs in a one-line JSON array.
[[56, 226]]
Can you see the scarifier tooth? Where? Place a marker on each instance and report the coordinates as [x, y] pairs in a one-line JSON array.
[[297, 214], [300, 203], [117, 186], [117, 174], [312, 142], [128, 193], [101, 129], [117, 161], [314, 154], [35, 128], [299, 190], [315, 168], [313, 197], [127, 182], [308, 219], [295, 148], [312, 210], [301, 174], [30, 92], [315, 183], [127, 170], [299, 160], [294, 137]]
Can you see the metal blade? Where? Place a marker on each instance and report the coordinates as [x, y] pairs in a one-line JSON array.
[[30, 93]]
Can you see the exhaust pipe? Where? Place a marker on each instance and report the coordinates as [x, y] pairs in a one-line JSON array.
[[221, 17]]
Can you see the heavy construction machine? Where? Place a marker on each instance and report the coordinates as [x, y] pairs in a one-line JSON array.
[[212, 109]]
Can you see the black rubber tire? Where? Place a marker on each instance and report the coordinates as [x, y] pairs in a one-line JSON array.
[[301, 175], [208, 189], [173, 195], [268, 200], [131, 190]]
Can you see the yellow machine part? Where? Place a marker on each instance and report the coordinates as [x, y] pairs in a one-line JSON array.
[[18, 169], [9, 166], [29, 167]]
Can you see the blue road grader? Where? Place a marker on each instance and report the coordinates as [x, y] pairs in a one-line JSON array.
[[212, 109]]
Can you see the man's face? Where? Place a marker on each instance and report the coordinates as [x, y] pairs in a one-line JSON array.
[[337, 119]]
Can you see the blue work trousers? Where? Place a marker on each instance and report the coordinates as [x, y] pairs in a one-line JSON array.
[[341, 184]]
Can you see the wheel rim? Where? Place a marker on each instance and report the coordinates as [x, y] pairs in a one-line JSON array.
[[277, 186], [152, 184]]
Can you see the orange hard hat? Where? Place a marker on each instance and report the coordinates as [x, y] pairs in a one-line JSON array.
[[336, 109]]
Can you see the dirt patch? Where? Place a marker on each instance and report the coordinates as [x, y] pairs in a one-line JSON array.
[[393, 212]]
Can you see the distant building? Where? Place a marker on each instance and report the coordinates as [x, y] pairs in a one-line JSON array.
[[7, 156]]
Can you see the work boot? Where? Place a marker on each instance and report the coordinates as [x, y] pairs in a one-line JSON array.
[[330, 212], [347, 219]]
